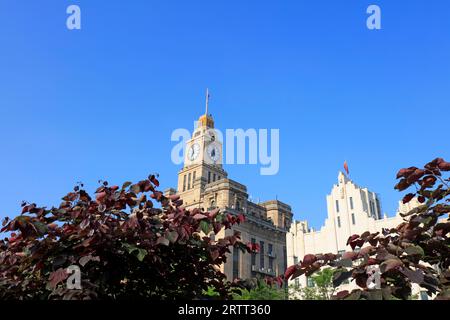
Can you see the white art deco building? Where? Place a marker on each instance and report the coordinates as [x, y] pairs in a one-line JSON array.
[[351, 210]]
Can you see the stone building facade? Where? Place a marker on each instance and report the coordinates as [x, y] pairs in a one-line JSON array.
[[203, 183]]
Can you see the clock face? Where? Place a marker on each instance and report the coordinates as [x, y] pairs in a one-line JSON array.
[[193, 152], [213, 152]]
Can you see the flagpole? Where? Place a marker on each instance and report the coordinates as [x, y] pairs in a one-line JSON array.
[[346, 169], [207, 101]]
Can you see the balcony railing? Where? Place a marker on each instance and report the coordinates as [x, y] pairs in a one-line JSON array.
[[265, 271]]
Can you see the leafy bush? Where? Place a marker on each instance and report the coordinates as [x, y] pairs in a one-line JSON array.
[[124, 246], [259, 289], [323, 288], [417, 251]]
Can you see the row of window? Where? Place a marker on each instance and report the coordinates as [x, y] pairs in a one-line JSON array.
[[339, 220], [213, 177], [351, 207], [253, 257], [188, 176], [351, 204], [188, 179], [309, 282], [371, 206]]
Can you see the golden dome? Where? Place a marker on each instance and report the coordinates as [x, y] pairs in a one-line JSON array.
[[206, 121]]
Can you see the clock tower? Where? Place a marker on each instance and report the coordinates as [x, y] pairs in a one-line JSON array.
[[204, 184], [202, 161]]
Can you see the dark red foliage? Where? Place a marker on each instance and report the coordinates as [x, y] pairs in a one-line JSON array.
[[124, 246], [253, 247], [404, 254]]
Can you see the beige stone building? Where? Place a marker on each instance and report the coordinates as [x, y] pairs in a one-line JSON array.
[[351, 210], [203, 183]]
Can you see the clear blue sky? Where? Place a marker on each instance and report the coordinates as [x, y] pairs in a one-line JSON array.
[[101, 103]]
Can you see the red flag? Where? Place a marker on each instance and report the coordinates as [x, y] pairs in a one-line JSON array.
[[346, 167]]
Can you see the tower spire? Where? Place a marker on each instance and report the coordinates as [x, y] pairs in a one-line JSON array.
[[206, 120], [207, 101]]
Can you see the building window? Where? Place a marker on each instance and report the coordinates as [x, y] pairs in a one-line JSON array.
[[270, 251], [339, 222], [214, 177], [193, 179], [378, 208], [351, 203], [353, 219], [261, 256], [337, 205], [218, 178], [184, 183], [253, 241], [310, 282], [235, 263], [297, 283], [209, 177], [189, 181]]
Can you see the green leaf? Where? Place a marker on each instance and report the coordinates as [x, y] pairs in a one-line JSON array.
[[415, 250], [205, 227], [135, 188], [172, 236], [126, 184], [163, 240], [40, 227], [129, 247], [141, 254]]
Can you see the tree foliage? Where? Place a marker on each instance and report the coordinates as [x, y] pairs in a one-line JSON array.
[[417, 251], [259, 289], [125, 247], [323, 288]]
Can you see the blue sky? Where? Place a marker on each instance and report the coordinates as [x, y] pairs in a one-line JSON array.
[[102, 102]]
